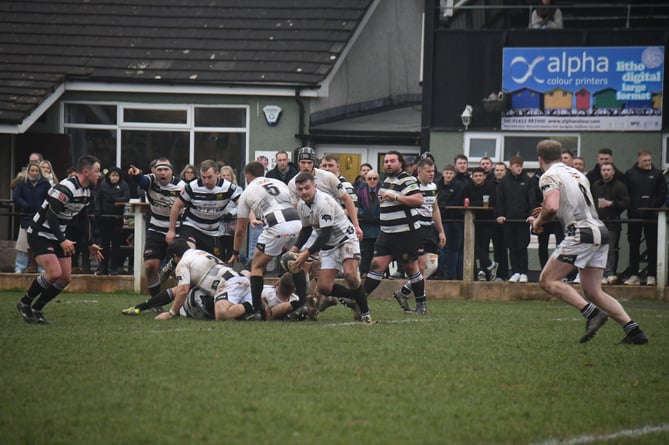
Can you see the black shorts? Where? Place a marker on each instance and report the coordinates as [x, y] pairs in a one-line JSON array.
[[155, 247], [428, 239], [43, 246], [402, 246], [202, 241]]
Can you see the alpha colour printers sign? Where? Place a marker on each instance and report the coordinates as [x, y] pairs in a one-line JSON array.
[[586, 88]]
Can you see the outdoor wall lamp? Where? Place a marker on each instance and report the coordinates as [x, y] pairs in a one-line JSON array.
[[466, 116]]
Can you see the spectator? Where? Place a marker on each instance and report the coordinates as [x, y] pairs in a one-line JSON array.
[[361, 179], [230, 214], [451, 193], [284, 170], [478, 191], [647, 187], [109, 217], [498, 242], [48, 173], [461, 165], [603, 155], [515, 201], [189, 173], [368, 217], [579, 164], [612, 199], [546, 17], [486, 164], [29, 194], [567, 157]]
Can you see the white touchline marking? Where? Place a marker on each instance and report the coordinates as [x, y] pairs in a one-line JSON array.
[[80, 301], [358, 323], [604, 437]]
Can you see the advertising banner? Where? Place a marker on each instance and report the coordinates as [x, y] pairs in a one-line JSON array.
[[584, 88]]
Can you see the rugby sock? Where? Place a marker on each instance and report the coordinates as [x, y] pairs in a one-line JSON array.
[[418, 285], [340, 291], [589, 311], [257, 284], [372, 281], [248, 307], [37, 287], [631, 328], [361, 298], [406, 289], [47, 295], [154, 289], [160, 299], [301, 280]]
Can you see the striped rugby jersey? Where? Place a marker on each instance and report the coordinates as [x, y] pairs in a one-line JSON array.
[[205, 207], [429, 192], [161, 199], [67, 200], [395, 216]]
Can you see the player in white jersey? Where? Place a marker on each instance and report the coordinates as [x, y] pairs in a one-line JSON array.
[[162, 189], [567, 197], [269, 201], [199, 269], [326, 182], [203, 201], [429, 218], [46, 236], [336, 241]]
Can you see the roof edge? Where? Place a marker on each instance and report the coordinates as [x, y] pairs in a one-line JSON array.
[[35, 114]]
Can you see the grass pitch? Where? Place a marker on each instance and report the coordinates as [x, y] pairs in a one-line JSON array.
[[470, 372]]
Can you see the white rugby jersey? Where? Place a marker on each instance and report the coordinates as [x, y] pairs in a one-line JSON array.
[[577, 208], [203, 270], [395, 216], [270, 295], [67, 200], [205, 207], [429, 192], [325, 181], [161, 199], [266, 196], [325, 211]]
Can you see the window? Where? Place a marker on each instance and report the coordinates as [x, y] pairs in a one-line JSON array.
[[123, 134], [504, 146]]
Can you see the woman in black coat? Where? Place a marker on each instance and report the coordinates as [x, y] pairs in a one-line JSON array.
[[109, 217]]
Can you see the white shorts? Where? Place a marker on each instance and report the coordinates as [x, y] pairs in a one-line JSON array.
[[581, 255], [273, 240], [333, 258], [236, 290]]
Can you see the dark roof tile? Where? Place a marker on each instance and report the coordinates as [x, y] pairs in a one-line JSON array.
[[206, 42]]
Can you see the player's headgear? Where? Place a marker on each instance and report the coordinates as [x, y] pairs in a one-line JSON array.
[[306, 153], [177, 247]]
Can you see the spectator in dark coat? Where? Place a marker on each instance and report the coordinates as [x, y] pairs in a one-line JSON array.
[[647, 187], [29, 194], [612, 198], [479, 191], [515, 201], [369, 218], [109, 217], [451, 193], [284, 169]]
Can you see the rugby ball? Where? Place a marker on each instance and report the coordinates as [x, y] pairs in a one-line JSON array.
[[288, 262]]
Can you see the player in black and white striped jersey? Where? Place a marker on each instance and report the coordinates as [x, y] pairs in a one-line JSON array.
[[431, 235], [46, 236], [400, 197], [203, 201]]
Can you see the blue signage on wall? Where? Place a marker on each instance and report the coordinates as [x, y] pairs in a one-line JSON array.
[[586, 88]]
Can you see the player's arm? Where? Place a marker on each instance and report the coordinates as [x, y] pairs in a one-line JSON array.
[[548, 209], [436, 220], [179, 293], [240, 233], [352, 213], [414, 199], [179, 204]]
